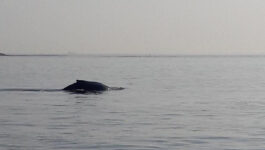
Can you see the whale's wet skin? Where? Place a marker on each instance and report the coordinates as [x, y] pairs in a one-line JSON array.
[[81, 86]]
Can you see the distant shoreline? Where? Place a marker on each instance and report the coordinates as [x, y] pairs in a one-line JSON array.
[[119, 55], [30, 55]]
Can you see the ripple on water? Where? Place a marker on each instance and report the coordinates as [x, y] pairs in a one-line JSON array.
[[186, 103]]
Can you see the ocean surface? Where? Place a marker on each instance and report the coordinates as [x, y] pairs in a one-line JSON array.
[[169, 103]]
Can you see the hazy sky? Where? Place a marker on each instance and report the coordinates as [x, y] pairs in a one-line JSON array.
[[133, 26]]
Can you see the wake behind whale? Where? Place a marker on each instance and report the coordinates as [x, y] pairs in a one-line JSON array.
[[80, 86], [29, 90]]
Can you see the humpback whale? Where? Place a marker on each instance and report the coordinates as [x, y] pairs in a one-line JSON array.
[[82, 86]]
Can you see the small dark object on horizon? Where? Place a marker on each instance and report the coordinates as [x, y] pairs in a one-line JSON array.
[[2, 54]]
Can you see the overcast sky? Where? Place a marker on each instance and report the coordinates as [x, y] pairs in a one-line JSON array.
[[133, 26]]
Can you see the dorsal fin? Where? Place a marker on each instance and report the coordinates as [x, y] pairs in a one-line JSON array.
[[77, 81]]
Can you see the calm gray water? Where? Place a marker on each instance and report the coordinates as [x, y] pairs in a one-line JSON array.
[[171, 103]]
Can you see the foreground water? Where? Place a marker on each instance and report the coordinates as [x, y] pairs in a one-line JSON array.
[[182, 103]]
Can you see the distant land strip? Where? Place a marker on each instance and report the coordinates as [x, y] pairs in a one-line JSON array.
[[39, 55], [123, 55]]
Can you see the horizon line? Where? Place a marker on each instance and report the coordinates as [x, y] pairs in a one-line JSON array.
[[138, 55]]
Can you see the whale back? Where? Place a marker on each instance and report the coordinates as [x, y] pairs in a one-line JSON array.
[[86, 86]]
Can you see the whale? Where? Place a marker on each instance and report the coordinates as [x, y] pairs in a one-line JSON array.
[[79, 87], [82, 86]]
